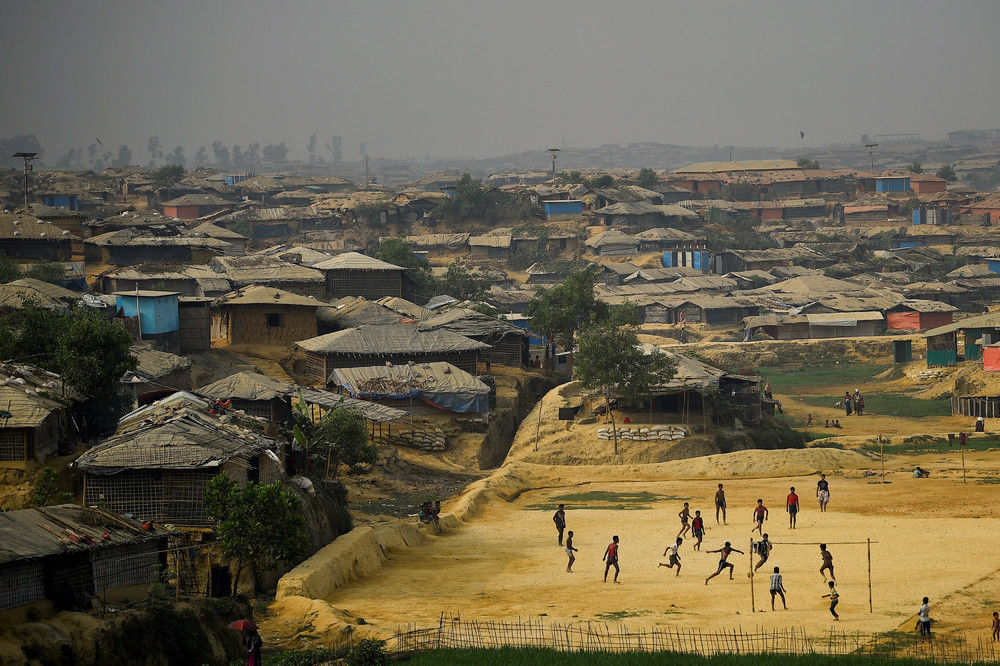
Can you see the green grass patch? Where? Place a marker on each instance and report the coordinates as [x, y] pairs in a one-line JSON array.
[[889, 404], [783, 380], [618, 616], [605, 500], [931, 444], [530, 656]]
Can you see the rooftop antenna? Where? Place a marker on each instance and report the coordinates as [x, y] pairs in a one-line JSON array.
[[553, 151], [871, 153], [28, 158]]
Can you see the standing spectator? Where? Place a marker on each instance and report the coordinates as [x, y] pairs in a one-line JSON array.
[[720, 504], [822, 492], [847, 402], [777, 587], [698, 529], [560, 520], [792, 506], [924, 618]]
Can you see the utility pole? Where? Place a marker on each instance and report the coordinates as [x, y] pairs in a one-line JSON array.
[[28, 157], [366, 171], [553, 151], [871, 153]]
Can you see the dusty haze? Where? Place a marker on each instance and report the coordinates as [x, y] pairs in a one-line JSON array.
[[416, 79]]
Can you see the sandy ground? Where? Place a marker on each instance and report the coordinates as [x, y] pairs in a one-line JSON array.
[[507, 563], [935, 537]]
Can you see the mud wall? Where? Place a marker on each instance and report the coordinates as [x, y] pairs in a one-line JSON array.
[[508, 417]]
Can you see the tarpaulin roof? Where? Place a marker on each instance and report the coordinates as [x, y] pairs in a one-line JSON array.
[[154, 364], [441, 384], [403, 306], [264, 295], [257, 267], [469, 323], [246, 386], [27, 408], [398, 339], [356, 261], [352, 311], [183, 439], [35, 533]]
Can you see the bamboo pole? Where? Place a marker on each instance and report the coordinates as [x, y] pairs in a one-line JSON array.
[[870, 609], [753, 601], [538, 421]]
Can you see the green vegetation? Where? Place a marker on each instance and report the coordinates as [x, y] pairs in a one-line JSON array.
[[948, 173], [258, 525], [647, 178], [340, 436], [932, 444], [460, 282], [783, 380], [530, 656], [604, 500], [609, 361], [725, 233], [46, 271], [9, 270], [561, 311], [90, 352], [491, 205], [889, 404], [806, 163], [397, 251], [915, 167], [167, 175], [47, 491], [368, 652], [598, 182]]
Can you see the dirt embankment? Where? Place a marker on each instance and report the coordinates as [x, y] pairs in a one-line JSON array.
[[186, 633]]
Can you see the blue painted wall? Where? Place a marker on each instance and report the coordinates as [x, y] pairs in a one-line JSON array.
[[156, 315], [70, 201], [993, 265], [699, 260], [563, 207], [892, 184]]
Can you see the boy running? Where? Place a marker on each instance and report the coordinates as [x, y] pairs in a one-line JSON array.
[[792, 506], [720, 503], [834, 599], [777, 587], [685, 516], [698, 529], [611, 557], [822, 492], [569, 551], [759, 516], [675, 558], [827, 562], [724, 553], [763, 548]]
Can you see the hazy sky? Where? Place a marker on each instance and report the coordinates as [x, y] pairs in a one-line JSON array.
[[483, 79]]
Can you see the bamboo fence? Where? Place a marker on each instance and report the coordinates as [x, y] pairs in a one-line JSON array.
[[453, 632]]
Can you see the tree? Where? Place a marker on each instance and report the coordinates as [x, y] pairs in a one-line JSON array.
[[806, 163], [47, 493], [91, 154], [340, 436], [948, 173], [253, 153], [572, 176], [560, 312], [200, 156], [25, 143], [47, 271], [461, 283], [9, 270], [335, 145], [258, 525], [311, 149], [167, 175], [124, 156], [177, 157], [93, 354], [647, 178], [276, 151], [610, 361], [597, 182], [915, 167], [362, 150], [238, 159], [397, 251], [155, 150], [221, 153]]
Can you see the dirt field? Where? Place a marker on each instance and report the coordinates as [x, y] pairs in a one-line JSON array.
[[936, 537]]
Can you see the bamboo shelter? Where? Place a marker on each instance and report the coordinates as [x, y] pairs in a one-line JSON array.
[[260, 315]]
